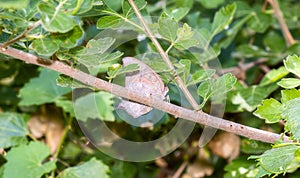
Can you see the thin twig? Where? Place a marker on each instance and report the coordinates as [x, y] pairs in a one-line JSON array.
[[180, 170], [22, 35], [284, 28], [164, 56], [187, 114]]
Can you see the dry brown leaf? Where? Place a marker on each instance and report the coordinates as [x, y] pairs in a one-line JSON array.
[[47, 123], [225, 145], [201, 167]]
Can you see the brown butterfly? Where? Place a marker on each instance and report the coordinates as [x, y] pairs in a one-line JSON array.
[[144, 80]]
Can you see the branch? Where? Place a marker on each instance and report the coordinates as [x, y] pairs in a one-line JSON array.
[[22, 35], [165, 57], [194, 116], [285, 30]]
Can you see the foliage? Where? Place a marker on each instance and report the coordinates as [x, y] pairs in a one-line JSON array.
[[261, 75]]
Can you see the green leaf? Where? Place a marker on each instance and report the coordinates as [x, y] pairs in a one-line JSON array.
[[240, 168], [223, 18], [114, 72], [274, 42], [123, 169], [27, 161], [91, 168], [211, 4], [13, 129], [291, 115], [42, 89], [45, 46], [66, 105], [289, 83], [69, 39], [185, 65], [233, 31], [68, 54], [273, 76], [95, 54], [250, 51], [260, 22], [201, 75], [178, 13], [254, 147], [249, 98], [78, 6], [127, 10], [277, 160], [113, 5], [287, 95], [167, 28], [185, 37], [292, 64], [15, 4], [95, 106], [270, 110], [54, 19], [110, 22]]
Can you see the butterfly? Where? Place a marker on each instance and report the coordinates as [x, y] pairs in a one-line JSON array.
[[144, 80]]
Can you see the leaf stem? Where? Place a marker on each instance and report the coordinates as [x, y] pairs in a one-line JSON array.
[[22, 35], [165, 57], [284, 28], [187, 114]]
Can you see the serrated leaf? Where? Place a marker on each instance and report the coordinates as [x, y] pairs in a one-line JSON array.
[[270, 110], [223, 18], [28, 160], [277, 160], [13, 129], [95, 106], [287, 95], [91, 168], [69, 39], [185, 37], [66, 105], [45, 46], [292, 64], [249, 98], [42, 89], [201, 75], [289, 83], [16, 4], [70, 53], [54, 19], [273, 76], [291, 115], [167, 28]]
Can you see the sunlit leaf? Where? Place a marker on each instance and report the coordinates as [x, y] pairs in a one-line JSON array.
[[270, 110], [289, 83], [28, 160], [13, 129], [292, 64]]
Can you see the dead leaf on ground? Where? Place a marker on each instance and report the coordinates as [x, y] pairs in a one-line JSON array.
[[48, 123], [225, 145], [201, 167]]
